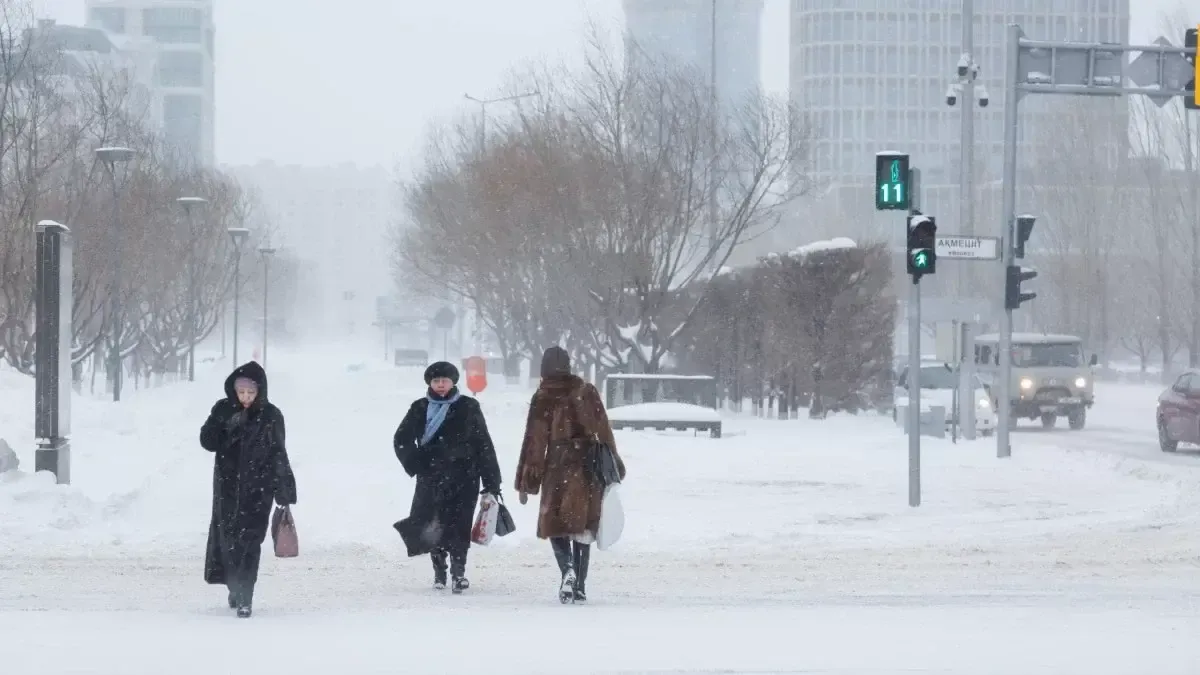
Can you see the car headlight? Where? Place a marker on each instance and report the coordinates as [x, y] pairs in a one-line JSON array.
[[1026, 383], [1081, 382], [984, 403]]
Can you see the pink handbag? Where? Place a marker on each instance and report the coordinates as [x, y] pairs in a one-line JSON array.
[[283, 533]]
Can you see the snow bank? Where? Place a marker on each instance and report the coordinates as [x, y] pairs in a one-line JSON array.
[[837, 243]]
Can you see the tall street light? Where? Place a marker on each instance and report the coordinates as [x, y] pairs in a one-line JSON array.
[[188, 204], [266, 252], [483, 103], [111, 157], [238, 235]]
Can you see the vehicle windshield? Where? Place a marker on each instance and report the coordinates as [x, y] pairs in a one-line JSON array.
[[938, 377], [1048, 355]]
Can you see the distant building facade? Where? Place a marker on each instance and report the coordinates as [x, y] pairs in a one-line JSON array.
[[184, 71], [874, 75]]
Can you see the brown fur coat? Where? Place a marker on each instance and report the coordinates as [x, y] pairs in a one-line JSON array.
[[564, 415]]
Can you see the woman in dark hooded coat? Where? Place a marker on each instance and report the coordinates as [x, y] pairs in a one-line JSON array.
[[251, 469], [444, 442]]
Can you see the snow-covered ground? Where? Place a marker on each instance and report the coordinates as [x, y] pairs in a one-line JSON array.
[[785, 546]]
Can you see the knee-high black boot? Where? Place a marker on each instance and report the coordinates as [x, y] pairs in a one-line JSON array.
[[458, 570], [582, 554], [438, 556], [566, 564], [562, 554]]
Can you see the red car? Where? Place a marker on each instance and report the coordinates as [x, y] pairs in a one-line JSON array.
[[1178, 414]]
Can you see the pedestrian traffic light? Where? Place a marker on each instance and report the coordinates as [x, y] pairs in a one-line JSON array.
[[1013, 297], [922, 245], [1190, 100], [1024, 229], [892, 189]]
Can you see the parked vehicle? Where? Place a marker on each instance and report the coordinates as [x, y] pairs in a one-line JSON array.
[[1178, 415], [1050, 378], [938, 384]]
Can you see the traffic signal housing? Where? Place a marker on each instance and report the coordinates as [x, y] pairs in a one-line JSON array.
[[1024, 229], [1014, 277], [1190, 100], [922, 245], [892, 189]]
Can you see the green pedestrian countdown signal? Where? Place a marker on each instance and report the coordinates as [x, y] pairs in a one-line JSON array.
[[892, 190]]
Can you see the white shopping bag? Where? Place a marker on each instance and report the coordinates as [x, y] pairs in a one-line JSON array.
[[485, 521], [612, 518]]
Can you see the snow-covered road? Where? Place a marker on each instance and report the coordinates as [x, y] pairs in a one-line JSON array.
[[786, 546]]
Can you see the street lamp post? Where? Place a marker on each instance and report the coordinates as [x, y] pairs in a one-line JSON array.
[[238, 235], [188, 203], [266, 252], [483, 104], [110, 157]]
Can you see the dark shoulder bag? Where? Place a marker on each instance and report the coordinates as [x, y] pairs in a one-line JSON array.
[[601, 460]]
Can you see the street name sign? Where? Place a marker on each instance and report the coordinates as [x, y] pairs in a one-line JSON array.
[[954, 247]]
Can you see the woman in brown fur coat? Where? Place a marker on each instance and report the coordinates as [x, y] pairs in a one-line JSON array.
[[566, 416]]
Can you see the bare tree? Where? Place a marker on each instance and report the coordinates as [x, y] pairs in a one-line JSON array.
[[54, 112], [587, 213]]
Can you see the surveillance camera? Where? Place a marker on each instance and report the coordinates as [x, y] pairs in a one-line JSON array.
[[951, 95], [964, 62], [983, 96]]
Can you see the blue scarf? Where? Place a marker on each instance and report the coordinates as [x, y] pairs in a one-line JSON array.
[[435, 414]]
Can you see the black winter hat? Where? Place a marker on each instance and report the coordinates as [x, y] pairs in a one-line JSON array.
[[441, 369], [556, 362]]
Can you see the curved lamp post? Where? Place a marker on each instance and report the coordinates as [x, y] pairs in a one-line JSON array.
[[111, 157], [238, 235], [267, 253], [188, 204]]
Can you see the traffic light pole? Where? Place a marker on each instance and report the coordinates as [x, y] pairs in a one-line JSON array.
[[1008, 215], [914, 392]]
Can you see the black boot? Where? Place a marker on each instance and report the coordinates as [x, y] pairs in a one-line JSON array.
[[582, 554], [439, 569], [458, 572], [243, 609], [241, 597], [566, 565]]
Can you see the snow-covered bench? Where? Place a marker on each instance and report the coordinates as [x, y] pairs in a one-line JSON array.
[[664, 416]]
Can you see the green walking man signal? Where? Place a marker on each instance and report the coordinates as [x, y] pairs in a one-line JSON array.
[[922, 245]]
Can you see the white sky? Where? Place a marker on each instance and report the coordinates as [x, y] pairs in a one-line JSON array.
[[317, 82]]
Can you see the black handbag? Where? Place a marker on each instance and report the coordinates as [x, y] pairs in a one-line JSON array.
[[504, 519], [603, 462]]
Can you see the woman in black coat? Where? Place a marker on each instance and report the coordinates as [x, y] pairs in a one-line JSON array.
[[251, 469], [444, 442]]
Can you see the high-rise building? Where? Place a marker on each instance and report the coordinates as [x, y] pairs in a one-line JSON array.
[[82, 52], [184, 32], [874, 74], [683, 30]]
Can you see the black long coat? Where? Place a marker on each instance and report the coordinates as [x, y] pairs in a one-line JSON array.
[[449, 470], [251, 469]]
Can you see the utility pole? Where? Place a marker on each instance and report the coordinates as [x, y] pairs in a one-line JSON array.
[[972, 95], [712, 133]]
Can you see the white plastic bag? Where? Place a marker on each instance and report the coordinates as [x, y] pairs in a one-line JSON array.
[[485, 521], [612, 518]]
